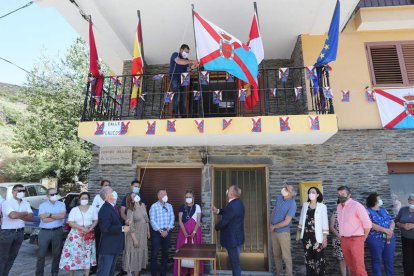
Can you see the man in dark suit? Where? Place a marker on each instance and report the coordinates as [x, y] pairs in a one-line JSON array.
[[112, 233], [231, 226]]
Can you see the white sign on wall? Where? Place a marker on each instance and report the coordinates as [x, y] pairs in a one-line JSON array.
[[115, 155]]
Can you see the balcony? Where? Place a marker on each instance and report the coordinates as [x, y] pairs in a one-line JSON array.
[[215, 110]]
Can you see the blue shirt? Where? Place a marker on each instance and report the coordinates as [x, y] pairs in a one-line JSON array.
[[381, 218], [176, 68], [283, 208], [161, 216], [54, 209]]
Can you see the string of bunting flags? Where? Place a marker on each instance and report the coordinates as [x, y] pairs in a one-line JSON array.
[[284, 124]]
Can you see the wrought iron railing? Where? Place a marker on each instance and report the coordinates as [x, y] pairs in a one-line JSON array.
[[384, 3], [221, 97]]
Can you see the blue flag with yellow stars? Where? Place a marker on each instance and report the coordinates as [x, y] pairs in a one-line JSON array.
[[330, 48]]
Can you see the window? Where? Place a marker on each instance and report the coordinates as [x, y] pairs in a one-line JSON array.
[[40, 190], [30, 191], [391, 63], [400, 177], [3, 193]]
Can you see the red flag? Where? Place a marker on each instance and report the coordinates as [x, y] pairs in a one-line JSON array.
[[94, 68]]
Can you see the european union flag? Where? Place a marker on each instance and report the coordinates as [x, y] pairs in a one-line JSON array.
[[330, 48]]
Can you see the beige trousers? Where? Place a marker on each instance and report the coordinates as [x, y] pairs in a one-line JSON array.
[[281, 251]]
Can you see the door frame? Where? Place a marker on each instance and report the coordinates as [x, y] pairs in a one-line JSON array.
[[266, 240]]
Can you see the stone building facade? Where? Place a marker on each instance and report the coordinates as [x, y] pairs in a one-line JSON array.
[[357, 158]]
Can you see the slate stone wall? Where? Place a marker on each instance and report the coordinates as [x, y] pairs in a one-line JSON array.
[[357, 158]]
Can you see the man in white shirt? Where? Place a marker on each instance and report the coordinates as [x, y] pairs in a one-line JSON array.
[[15, 211]]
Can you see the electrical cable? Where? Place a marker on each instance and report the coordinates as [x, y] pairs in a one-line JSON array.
[[22, 7]]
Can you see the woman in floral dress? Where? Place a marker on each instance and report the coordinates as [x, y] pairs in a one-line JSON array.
[[336, 243], [79, 252], [314, 230]]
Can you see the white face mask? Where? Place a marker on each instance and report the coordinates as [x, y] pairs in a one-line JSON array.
[[380, 202], [184, 54], [284, 192], [164, 198], [20, 195], [137, 198], [54, 198], [115, 195], [189, 200], [312, 196], [84, 202]]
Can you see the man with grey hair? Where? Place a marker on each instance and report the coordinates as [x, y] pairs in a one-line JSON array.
[[405, 221], [112, 232], [283, 212]]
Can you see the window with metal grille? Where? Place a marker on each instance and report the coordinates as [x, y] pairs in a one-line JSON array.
[[391, 63]]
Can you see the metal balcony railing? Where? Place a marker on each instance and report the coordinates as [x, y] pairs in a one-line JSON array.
[[222, 96], [384, 3]]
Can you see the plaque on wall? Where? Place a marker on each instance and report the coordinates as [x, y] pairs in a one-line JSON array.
[[115, 155]]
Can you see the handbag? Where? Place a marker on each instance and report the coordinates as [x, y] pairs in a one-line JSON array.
[[187, 263]]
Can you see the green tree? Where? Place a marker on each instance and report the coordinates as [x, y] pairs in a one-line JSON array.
[[47, 133]]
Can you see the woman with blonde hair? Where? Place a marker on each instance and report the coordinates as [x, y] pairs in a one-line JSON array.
[[189, 218], [136, 246]]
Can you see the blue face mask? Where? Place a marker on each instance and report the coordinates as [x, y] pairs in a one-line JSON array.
[[135, 190], [411, 206]]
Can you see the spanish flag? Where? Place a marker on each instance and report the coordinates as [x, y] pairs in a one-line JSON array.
[[137, 67]]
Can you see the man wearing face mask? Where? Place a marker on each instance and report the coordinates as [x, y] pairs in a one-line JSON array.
[[135, 188], [231, 227], [52, 217], [162, 222], [112, 233], [354, 226], [179, 64], [283, 212], [15, 212]]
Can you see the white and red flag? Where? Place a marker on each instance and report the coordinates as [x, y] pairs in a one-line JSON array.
[[255, 40], [396, 107], [218, 50]]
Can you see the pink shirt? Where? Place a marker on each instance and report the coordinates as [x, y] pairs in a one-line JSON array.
[[353, 219]]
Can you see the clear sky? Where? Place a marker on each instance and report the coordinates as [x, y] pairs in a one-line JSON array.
[[28, 33]]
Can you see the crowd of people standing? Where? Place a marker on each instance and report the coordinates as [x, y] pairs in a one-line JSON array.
[[102, 232]]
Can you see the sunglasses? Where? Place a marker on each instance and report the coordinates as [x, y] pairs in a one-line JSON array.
[[54, 194], [24, 190], [165, 208]]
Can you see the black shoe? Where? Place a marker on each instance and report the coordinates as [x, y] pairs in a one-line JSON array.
[[122, 273]]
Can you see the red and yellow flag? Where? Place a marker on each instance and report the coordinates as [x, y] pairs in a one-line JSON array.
[[137, 67]]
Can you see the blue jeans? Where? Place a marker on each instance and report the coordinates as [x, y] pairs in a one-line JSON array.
[[158, 241], [10, 242], [106, 265], [234, 257], [179, 98], [381, 251]]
